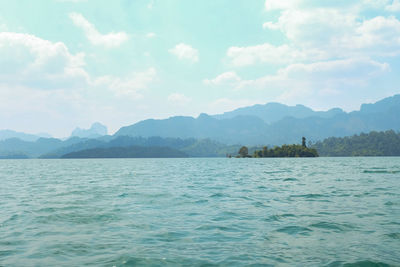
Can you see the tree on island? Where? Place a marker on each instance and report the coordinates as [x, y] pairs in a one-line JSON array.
[[284, 151], [244, 152]]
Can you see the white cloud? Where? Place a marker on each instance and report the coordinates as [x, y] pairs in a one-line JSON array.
[[378, 32], [316, 27], [93, 35], [150, 35], [150, 4], [185, 52], [265, 53], [327, 33], [394, 7], [225, 78], [47, 87], [270, 25], [130, 86], [302, 81], [320, 84], [179, 99], [33, 62]]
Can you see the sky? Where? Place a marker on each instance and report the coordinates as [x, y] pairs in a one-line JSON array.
[[69, 63]]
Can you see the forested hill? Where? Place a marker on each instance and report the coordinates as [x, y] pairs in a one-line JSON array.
[[273, 124], [127, 152], [372, 144]]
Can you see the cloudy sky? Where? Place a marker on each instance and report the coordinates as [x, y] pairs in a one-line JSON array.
[[69, 63]]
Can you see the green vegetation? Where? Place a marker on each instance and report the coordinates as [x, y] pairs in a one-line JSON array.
[[127, 152], [371, 144], [284, 151], [244, 152]]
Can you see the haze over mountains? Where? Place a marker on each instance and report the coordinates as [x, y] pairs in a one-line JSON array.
[[6, 134], [274, 123], [273, 112], [96, 130], [269, 124]]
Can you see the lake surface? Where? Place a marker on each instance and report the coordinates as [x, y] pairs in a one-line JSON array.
[[195, 212]]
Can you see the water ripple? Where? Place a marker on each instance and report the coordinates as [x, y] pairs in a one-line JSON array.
[[200, 212]]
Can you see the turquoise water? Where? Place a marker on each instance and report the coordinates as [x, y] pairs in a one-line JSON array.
[[198, 212]]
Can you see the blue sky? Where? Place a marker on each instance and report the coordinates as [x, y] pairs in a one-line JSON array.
[[69, 63]]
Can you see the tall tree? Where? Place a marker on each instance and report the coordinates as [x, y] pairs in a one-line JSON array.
[[244, 152]]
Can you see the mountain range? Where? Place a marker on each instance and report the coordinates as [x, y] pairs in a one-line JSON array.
[[96, 130], [274, 123], [7, 134], [214, 135]]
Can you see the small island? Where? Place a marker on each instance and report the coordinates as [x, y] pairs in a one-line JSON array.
[[284, 151]]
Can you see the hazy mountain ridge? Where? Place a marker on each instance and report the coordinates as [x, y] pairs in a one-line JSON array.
[[7, 134], [55, 148], [207, 135], [247, 128], [96, 130], [36, 148], [273, 112]]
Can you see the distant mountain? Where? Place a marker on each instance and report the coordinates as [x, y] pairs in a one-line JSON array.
[[239, 129], [127, 152], [15, 146], [252, 128], [96, 130], [7, 134], [207, 136], [386, 105], [191, 147], [273, 112], [55, 148]]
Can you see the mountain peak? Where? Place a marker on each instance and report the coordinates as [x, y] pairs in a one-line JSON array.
[[383, 105], [271, 112], [96, 130]]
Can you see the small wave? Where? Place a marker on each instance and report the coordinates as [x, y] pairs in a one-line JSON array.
[[76, 218], [278, 217], [216, 227], [394, 235], [332, 226], [278, 171], [290, 179], [259, 204], [225, 215], [309, 196], [382, 171], [13, 218], [390, 203], [201, 201], [365, 263], [4, 253], [170, 236], [293, 230], [218, 195], [127, 260]]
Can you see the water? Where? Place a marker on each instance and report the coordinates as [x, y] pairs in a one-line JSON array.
[[195, 212]]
